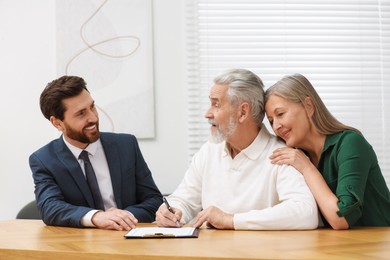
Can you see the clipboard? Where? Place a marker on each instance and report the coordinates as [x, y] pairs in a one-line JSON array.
[[158, 232]]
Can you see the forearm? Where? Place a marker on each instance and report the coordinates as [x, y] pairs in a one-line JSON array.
[[145, 210], [288, 215], [60, 213], [325, 198], [54, 209], [188, 195]]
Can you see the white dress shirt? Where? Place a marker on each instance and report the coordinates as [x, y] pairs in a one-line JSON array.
[[261, 195], [102, 172]]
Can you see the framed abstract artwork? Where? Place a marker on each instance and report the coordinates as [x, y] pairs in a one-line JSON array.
[[110, 44]]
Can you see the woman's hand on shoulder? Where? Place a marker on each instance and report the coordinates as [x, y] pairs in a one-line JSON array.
[[291, 156]]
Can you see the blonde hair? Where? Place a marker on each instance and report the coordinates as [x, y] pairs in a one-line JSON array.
[[296, 88]]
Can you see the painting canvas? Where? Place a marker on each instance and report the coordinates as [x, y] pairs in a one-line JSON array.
[[109, 44]]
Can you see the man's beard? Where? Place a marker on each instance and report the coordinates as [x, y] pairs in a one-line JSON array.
[[219, 136], [80, 136]]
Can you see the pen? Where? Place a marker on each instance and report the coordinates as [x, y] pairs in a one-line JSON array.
[[170, 210]]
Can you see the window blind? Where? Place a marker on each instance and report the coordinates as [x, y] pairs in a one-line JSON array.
[[342, 47]]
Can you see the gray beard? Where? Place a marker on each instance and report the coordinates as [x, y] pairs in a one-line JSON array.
[[219, 136]]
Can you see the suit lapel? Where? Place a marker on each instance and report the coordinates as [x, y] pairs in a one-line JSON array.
[[72, 165], [114, 165]]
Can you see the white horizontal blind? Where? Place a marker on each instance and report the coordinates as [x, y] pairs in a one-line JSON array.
[[341, 46]]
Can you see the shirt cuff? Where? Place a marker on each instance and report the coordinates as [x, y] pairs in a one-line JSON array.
[[86, 220]]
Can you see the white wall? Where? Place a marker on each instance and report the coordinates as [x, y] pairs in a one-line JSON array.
[[28, 62]]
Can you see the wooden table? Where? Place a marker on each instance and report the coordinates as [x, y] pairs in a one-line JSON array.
[[32, 239]]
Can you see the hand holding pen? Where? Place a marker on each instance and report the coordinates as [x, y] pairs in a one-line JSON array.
[[170, 210]]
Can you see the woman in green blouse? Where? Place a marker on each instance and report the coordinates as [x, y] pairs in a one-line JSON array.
[[339, 165]]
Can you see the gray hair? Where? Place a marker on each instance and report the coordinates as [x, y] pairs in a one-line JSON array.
[[244, 86]]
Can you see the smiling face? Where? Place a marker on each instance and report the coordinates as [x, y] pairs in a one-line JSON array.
[[289, 120], [220, 114], [81, 122]]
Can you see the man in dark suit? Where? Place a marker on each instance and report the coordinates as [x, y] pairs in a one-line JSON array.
[[125, 189]]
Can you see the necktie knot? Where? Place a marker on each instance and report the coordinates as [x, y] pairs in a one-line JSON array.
[[84, 156]]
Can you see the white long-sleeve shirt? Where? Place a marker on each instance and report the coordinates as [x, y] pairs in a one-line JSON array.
[[261, 195]]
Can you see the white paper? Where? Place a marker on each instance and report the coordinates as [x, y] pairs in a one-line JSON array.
[[150, 231]]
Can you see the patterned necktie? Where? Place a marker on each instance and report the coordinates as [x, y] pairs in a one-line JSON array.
[[91, 180]]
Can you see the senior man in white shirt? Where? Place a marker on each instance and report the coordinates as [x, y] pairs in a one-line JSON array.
[[231, 183]]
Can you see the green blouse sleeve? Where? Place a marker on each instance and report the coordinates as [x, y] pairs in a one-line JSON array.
[[354, 157]]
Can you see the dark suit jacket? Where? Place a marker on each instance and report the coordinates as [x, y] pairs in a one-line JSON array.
[[62, 193]]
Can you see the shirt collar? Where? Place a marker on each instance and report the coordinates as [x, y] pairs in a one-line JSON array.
[[254, 150], [91, 148], [331, 140]]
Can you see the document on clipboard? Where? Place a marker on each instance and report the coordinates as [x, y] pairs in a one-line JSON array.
[[158, 232]]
